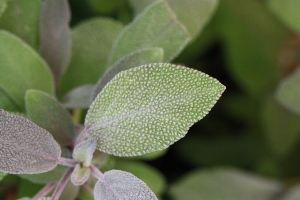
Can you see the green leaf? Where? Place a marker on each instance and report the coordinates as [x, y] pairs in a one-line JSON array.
[[55, 35], [3, 6], [288, 92], [287, 11], [79, 97], [156, 20], [282, 128], [118, 183], [141, 57], [2, 175], [21, 18], [6, 103], [48, 113], [52, 176], [224, 184], [25, 148], [92, 41], [27, 188], [70, 192], [21, 69], [150, 107], [139, 5]]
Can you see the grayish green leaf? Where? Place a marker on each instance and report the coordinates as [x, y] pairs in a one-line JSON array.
[[156, 26], [141, 57], [45, 111], [287, 11], [25, 148], [119, 184], [22, 69], [52, 176], [224, 184], [139, 5], [80, 175], [288, 92], [78, 97], [55, 35], [3, 6], [84, 151], [92, 42], [25, 198], [21, 18], [150, 107]]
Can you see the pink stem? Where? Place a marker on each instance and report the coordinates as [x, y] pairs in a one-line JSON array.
[[82, 136], [67, 162], [96, 172], [43, 192], [62, 184]]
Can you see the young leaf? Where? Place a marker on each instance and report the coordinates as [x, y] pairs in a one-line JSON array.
[[92, 41], [21, 19], [288, 92], [84, 151], [80, 175], [122, 185], [156, 26], [78, 97], [55, 35], [45, 111], [150, 107], [25, 148], [141, 57], [22, 69]]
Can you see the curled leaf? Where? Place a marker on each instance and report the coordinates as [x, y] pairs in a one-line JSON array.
[[80, 175], [25, 148], [84, 151]]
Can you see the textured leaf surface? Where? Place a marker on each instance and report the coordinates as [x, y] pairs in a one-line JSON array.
[[79, 97], [21, 69], [150, 107], [141, 57], [224, 184], [21, 18], [84, 151], [288, 92], [55, 35], [287, 11], [156, 20], [45, 111], [46, 177], [25, 148], [121, 185], [80, 175], [92, 42]]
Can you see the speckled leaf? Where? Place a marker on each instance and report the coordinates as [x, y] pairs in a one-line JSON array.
[[141, 57], [122, 185], [288, 92], [84, 151], [80, 175], [45, 111], [55, 35], [150, 107], [25, 148], [79, 97], [156, 20], [21, 18], [92, 42], [21, 69]]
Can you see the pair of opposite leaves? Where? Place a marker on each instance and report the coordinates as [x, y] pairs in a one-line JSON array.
[[139, 111]]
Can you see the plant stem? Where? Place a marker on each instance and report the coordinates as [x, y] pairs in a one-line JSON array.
[[61, 184], [82, 136], [77, 115], [96, 172], [44, 191], [67, 162]]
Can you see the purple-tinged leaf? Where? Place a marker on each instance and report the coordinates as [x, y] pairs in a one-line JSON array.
[[55, 35], [118, 184], [80, 175], [25, 148], [84, 151]]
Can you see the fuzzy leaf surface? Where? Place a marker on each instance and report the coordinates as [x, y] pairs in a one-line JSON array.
[[92, 42], [288, 92], [25, 148], [150, 107], [55, 35], [156, 26], [22, 69], [21, 18], [45, 111], [80, 175], [141, 57], [84, 151], [118, 184]]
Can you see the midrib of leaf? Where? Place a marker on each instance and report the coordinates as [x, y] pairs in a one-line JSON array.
[[50, 158]]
